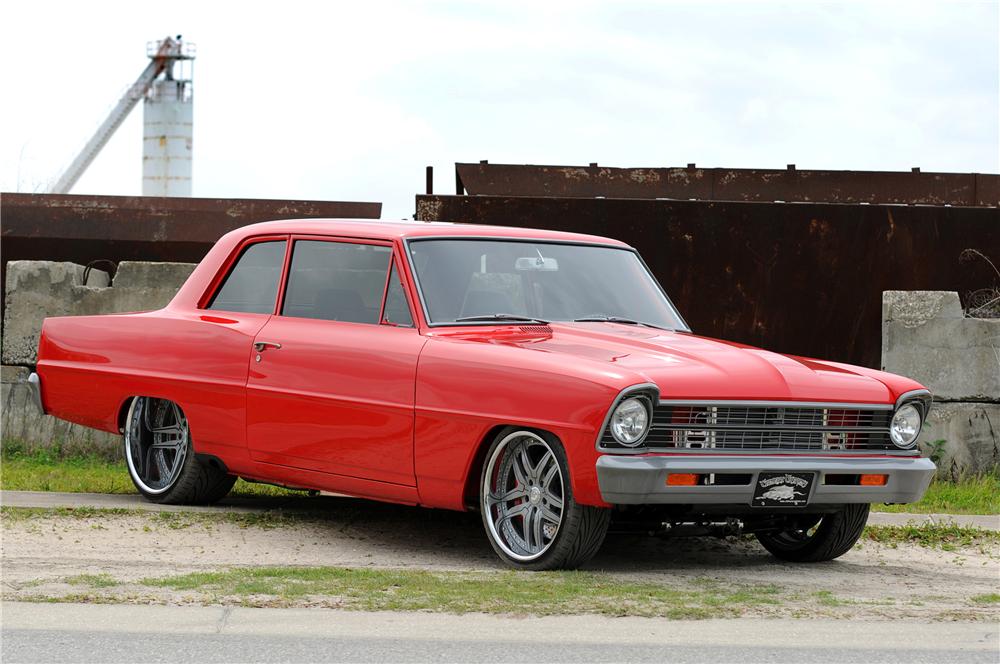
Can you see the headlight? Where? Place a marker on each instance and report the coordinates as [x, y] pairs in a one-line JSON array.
[[630, 421], [905, 426]]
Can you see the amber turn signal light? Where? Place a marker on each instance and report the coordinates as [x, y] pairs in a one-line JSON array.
[[683, 479], [873, 480]]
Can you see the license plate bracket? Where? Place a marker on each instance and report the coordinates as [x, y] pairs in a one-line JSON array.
[[782, 489]]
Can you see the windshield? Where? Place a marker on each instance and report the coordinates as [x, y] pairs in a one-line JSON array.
[[474, 281]]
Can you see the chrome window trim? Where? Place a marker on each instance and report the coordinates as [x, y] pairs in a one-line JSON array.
[[581, 243]]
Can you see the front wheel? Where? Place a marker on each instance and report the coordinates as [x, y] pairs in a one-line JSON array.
[[161, 461], [817, 540], [530, 516]]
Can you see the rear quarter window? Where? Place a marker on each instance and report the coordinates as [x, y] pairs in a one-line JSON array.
[[252, 284]]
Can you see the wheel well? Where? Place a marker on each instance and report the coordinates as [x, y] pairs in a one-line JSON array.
[[123, 413], [470, 494]]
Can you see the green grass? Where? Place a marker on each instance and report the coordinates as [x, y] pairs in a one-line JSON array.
[[942, 536], [973, 495], [542, 593], [41, 472], [92, 580], [989, 598]]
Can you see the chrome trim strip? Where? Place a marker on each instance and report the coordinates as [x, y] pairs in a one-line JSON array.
[[423, 302], [35, 387], [723, 403], [778, 404], [767, 427], [688, 452], [923, 396], [924, 393], [639, 387]]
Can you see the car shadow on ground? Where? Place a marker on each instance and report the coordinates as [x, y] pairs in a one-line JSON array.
[[457, 538]]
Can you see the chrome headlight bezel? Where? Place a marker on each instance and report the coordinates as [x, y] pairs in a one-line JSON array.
[[904, 428], [630, 404], [916, 403]]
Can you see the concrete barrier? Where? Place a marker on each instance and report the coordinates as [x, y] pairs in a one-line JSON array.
[[926, 336], [963, 438], [36, 290], [40, 289]]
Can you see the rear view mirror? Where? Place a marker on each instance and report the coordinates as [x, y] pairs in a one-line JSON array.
[[536, 263]]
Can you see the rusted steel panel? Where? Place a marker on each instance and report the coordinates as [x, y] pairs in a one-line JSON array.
[[86, 228], [802, 278], [732, 184], [64, 227]]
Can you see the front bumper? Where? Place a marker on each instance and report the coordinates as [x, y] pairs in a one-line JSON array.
[[631, 480]]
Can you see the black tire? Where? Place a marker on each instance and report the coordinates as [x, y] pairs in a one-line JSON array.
[[835, 535], [580, 532], [191, 480]]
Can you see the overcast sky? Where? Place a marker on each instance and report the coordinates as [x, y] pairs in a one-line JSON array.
[[349, 101]]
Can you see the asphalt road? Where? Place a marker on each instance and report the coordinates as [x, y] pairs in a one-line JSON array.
[[113, 633]]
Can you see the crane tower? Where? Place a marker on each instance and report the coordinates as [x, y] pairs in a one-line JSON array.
[[167, 122], [166, 86]]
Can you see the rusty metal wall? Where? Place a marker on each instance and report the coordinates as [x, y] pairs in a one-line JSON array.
[[81, 229], [730, 184], [800, 278]]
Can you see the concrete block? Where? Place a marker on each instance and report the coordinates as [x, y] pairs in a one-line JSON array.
[[139, 274], [926, 337], [30, 431], [36, 289], [962, 438], [40, 289]]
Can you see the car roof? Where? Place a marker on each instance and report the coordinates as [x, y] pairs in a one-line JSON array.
[[391, 230]]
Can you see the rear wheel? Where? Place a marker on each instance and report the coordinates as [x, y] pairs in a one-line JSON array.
[[530, 516], [818, 539], [161, 461]]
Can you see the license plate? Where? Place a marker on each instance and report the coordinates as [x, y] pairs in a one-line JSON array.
[[782, 489]]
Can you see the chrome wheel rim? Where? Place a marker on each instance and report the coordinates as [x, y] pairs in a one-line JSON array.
[[523, 496], [156, 443]]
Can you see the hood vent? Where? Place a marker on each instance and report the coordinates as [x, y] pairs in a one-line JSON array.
[[536, 329]]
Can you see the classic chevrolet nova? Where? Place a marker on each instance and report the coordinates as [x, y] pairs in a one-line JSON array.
[[544, 379]]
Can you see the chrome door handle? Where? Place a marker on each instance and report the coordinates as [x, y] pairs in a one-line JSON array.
[[261, 346]]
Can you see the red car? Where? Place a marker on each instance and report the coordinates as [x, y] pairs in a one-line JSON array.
[[543, 378]]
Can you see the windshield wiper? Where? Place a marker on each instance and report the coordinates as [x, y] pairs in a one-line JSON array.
[[502, 317], [615, 319]]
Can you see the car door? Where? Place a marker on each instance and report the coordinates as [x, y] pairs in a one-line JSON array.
[[211, 345], [331, 382]]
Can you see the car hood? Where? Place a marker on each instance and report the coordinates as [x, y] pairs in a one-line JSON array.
[[687, 366]]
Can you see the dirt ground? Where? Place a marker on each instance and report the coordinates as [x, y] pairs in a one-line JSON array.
[[873, 580]]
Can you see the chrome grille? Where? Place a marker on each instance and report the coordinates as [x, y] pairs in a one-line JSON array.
[[699, 426]]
